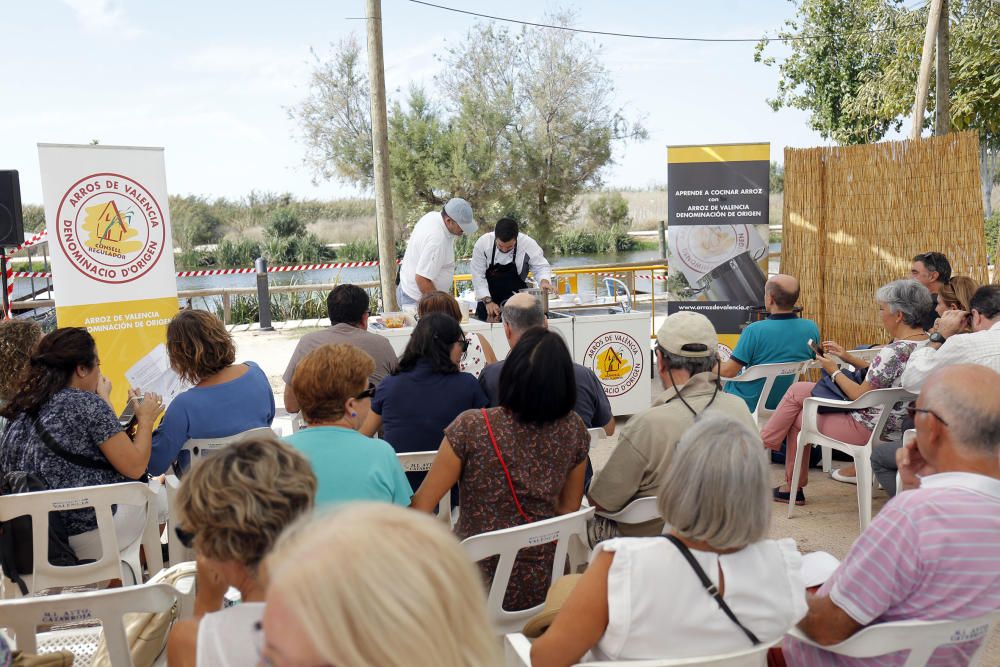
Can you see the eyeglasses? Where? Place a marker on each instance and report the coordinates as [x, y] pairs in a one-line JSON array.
[[912, 410], [186, 537], [367, 393], [464, 343]]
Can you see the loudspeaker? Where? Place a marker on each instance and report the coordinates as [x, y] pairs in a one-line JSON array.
[[11, 222]]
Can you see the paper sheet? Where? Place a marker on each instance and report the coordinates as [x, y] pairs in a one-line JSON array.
[[152, 373]]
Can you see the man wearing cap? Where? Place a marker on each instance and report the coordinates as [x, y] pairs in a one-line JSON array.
[[500, 264], [686, 355], [429, 261]]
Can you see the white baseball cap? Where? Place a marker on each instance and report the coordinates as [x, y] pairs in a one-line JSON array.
[[460, 211]]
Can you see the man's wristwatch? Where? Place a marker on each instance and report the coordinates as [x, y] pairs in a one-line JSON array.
[[487, 299], [936, 337]]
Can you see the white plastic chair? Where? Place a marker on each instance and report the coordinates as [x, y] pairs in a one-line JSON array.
[[508, 542], [876, 398], [200, 448], [769, 373], [421, 462], [639, 510], [24, 616], [38, 504], [176, 552], [517, 653], [920, 638], [909, 435], [596, 435]]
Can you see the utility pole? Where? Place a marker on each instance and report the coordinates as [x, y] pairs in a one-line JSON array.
[[942, 84], [384, 225], [925, 69]]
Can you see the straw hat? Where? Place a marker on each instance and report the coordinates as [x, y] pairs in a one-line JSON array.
[[554, 600]]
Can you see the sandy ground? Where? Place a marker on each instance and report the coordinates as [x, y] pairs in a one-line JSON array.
[[828, 522]]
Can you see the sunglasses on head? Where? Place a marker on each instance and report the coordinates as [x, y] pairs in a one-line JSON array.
[[912, 410], [367, 393], [186, 537]]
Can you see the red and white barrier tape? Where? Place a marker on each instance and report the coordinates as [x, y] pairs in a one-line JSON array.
[[34, 240]]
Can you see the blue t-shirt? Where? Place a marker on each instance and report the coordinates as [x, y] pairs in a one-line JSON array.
[[349, 466], [417, 405], [217, 411], [778, 339]]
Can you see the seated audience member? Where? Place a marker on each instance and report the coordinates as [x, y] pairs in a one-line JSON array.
[[716, 491], [375, 586], [947, 346], [62, 397], [332, 386], [686, 354], [426, 392], [232, 509], [782, 337], [932, 552], [536, 439], [17, 339], [522, 312], [956, 295], [903, 305], [933, 271], [226, 398], [480, 352], [348, 309]]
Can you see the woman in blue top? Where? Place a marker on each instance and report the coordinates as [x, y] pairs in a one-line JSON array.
[[426, 391], [331, 385], [227, 398]]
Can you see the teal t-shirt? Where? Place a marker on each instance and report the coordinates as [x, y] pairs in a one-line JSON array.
[[778, 339], [349, 466]]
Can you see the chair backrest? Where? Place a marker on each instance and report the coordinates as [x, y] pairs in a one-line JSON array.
[[38, 504], [517, 653], [920, 638], [176, 551], [199, 448], [882, 398], [421, 462], [639, 510], [23, 616], [508, 542], [769, 373]]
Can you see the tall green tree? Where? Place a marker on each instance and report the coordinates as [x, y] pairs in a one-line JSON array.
[[518, 123], [853, 65]]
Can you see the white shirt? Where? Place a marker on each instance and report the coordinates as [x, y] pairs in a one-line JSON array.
[[979, 347], [527, 250], [657, 607], [430, 253], [227, 637]]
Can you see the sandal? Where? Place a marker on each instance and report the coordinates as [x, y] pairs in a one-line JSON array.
[[785, 496], [841, 477]]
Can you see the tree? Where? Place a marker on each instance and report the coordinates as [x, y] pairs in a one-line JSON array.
[[854, 63], [193, 221], [776, 178], [610, 210], [520, 123]]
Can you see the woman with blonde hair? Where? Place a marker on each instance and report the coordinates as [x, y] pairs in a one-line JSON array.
[[956, 295], [226, 398], [375, 586], [335, 396], [643, 597], [479, 352], [233, 506]]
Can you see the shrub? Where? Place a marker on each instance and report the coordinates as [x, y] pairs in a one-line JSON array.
[[284, 224], [194, 221], [992, 229], [609, 211]]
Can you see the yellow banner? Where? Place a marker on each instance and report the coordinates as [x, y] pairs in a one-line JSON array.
[[719, 153], [125, 331]]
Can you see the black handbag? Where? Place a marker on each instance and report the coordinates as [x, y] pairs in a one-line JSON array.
[[827, 388]]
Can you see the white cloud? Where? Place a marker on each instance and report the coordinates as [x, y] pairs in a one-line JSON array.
[[96, 15]]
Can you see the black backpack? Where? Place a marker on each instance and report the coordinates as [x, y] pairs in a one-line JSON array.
[[16, 552]]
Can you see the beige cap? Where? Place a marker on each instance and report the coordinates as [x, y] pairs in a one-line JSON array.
[[688, 334]]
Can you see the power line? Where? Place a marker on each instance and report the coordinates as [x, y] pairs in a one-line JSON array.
[[640, 36]]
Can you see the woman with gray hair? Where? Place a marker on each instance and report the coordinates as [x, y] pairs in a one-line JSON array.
[[643, 598], [903, 306]]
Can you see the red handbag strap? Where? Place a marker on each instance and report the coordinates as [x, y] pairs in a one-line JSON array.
[[503, 464]]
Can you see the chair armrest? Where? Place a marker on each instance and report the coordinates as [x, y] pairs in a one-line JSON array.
[[517, 650]]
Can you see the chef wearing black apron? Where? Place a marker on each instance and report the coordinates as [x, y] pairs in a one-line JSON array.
[[504, 279]]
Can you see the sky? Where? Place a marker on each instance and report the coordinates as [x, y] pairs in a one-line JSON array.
[[212, 81]]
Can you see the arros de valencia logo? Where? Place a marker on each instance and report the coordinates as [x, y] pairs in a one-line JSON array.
[[111, 228], [617, 359]]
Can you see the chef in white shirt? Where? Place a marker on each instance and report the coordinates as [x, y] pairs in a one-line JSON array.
[[500, 264], [429, 261]]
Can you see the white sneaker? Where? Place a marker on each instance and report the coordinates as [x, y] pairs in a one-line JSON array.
[[846, 479]]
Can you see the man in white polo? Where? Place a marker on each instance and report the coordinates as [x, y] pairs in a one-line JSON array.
[[429, 261]]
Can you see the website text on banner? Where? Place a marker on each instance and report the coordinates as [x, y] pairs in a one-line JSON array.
[[108, 220], [717, 211]]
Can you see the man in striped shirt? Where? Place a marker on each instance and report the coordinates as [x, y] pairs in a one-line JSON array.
[[932, 552]]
